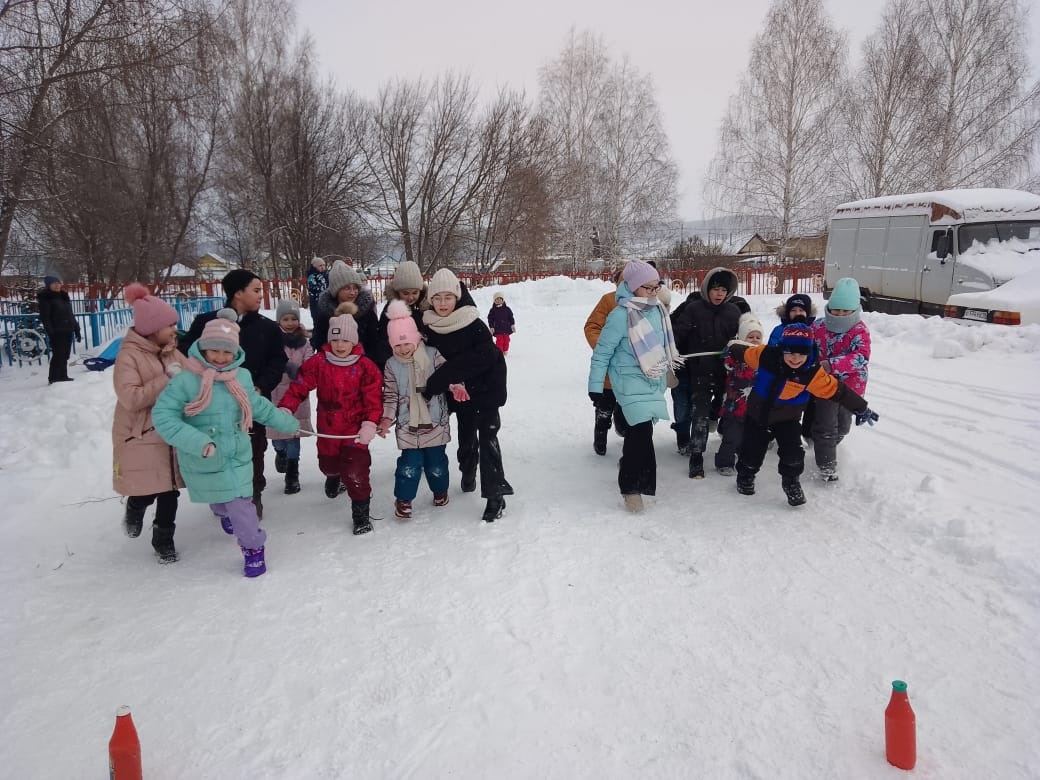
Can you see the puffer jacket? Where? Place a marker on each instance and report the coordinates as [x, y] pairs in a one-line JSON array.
[[261, 340], [846, 355], [56, 312], [228, 473], [471, 358], [142, 463], [597, 319], [297, 351], [396, 406], [641, 398], [780, 393], [701, 326], [739, 379], [347, 397], [366, 319]]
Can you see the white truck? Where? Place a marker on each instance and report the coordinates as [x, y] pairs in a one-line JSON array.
[[972, 253]]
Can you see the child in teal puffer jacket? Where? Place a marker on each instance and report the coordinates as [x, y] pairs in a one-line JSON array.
[[206, 412]]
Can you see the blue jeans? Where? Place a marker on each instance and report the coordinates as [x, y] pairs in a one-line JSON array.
[[410, 467], [291, 447]]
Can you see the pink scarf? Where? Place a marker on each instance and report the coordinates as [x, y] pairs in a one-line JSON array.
[[230, 380]]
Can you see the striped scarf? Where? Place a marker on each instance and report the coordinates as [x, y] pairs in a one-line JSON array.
[[230, 380], [654, 357]]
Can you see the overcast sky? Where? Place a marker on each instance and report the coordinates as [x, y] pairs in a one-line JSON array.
[[695, 50]]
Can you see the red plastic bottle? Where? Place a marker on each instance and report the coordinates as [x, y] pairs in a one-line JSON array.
[[124, 749], [900, 729]]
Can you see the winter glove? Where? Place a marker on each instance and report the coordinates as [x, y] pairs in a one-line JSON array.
[[292, 369], [367, 433], [867, 416], [384, 427], [173, 369], [458, 392], [79, 337], [209, 450], [596, 398]]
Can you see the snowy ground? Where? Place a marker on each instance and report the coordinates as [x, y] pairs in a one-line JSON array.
[[717, 636]]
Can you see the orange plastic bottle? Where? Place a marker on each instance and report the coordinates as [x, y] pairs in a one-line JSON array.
[[124, 749], [900, 729]]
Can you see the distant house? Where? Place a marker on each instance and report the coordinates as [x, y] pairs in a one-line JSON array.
[[179, 272], [812, 247], [212, 266]]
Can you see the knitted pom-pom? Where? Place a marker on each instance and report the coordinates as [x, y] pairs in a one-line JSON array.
[[228, 314], [135, 292], [398, 309], [347, 307]]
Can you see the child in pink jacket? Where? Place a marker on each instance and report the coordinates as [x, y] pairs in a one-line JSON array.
[[843, 340]]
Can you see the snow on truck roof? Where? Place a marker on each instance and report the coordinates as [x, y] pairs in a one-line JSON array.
[[944, 206]]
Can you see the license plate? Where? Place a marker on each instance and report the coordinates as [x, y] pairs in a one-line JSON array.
[[976, 314]]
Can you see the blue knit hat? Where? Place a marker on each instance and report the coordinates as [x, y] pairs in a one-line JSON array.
[[49, 280], [797, 338], [845, 295], [799, 300]]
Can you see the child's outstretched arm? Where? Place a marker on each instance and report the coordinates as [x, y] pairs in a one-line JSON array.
[[306, 380]]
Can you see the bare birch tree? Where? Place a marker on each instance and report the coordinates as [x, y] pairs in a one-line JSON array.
[[609, 162], [774, 158], [986, 110], [885, 128]]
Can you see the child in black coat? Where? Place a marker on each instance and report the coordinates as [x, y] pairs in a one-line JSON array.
[[474, 374]]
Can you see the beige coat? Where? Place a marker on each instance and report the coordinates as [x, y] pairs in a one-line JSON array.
[[142, 463]]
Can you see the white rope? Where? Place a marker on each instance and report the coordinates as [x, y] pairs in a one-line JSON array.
[[702, 354], [327, 435]]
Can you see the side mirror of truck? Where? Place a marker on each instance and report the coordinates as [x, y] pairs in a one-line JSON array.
[[942, 247]]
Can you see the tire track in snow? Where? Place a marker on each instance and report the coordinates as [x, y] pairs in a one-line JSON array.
[[1027, 398]]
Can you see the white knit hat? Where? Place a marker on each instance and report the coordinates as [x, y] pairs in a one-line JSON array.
[[444, 281]]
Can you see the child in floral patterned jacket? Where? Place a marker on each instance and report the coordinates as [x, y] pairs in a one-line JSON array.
[[843, 340], [739, 379]]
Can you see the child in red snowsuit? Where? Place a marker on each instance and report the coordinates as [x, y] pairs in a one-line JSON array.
[[350, 403]]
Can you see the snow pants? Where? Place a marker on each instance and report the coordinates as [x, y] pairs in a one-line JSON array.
[[753, 446], [830, 425], [353, 465], [244, 520], [413, 463], [478, 445]]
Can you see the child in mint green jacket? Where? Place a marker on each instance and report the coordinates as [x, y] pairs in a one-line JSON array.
[[206, 412]]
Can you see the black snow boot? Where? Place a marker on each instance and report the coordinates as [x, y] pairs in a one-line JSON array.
[[292, 476], [133, 518], [599, 436], [362, 521], [162, 543], [280, 461], [469, 482], [745, 481], [332, 486], [793, 489], [496, 505], [696, 465]]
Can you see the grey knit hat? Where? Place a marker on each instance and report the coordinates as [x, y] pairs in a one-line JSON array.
[[286, 306], [407, 276], [341, 275]]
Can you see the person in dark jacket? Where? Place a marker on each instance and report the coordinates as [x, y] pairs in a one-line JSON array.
[[261, 340], [787, 375], [407, 285], [705, 325], [317, 281], [346, 285], [60, 323], [501, 322], [474, 376]]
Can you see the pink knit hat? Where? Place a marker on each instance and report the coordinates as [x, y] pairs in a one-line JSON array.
[[342, 326], [401, 327], [151, 314]]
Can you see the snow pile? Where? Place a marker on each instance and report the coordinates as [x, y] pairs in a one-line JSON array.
[[569, 639], [1002, 260]]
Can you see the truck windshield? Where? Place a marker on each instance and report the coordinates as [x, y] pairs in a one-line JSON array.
[[1021, 236]]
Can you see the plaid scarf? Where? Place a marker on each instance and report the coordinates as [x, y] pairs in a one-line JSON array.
[[654, 357]]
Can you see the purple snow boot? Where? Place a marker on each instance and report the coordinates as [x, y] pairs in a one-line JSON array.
[[255, 564], [225, 523]]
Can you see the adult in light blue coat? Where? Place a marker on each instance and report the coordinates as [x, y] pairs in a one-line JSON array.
[[636, 348]]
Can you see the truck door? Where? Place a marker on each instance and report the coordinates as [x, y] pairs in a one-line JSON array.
[[937, 269]]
